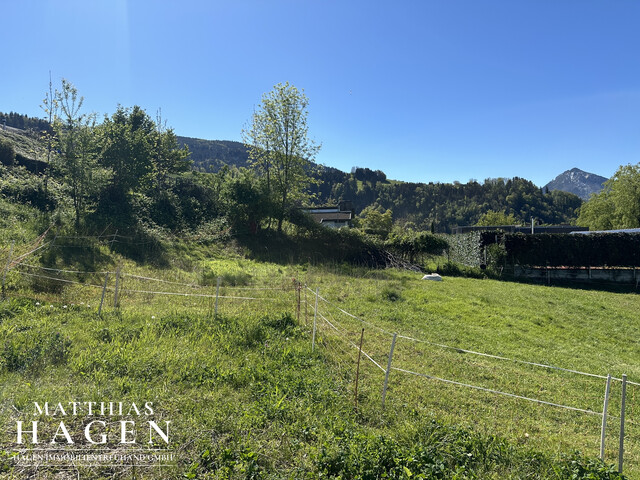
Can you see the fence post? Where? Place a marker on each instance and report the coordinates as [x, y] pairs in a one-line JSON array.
[[386, 375], [112, 241], [104, 289], [306, 306], [315, 319], [115, 295], [6, 268], [298, 286], [358, 369], [624, 398], [217, 296], [604, 415]]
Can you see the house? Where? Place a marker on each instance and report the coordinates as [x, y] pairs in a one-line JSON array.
[[334, 216]]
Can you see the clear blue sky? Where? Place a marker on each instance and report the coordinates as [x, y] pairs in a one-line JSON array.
[[425, 90]]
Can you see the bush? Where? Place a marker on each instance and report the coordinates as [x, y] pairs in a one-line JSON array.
[[7, 154], [595, 250], [34, 350]]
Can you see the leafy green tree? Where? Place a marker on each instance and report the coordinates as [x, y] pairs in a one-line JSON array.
[[617, 205], [376, 221], [492, 217], [127, 147], [279, 147], [77, 160]]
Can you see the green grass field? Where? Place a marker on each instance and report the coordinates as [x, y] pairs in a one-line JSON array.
[[247, 397]]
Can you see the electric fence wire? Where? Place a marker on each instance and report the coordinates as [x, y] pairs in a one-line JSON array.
[[49, 269], [56, 279], [471, 352], [498, 392], [352, 344]]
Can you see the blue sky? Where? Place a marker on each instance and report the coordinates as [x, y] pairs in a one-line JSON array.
[[425, 90]]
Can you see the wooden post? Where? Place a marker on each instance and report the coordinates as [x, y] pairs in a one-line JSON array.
[[6, 269], [358, 368], [604, 416], [622, 408], [115, 295], [104, 289], [113, 240], [386, 375], [315, 320], [217, 296]]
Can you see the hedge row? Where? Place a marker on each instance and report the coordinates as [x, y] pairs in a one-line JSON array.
[[577, 250]]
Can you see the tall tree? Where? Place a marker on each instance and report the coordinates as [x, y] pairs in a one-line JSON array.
[[77, 150], [617, 205], [50, 107], [279, 147]]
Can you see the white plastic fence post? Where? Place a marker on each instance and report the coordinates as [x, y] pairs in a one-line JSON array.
[[386, 375], [115, 295], [104, 289], [604, 415], [217, 296], [306, 306], [315, 319], [624, 398], [6, 268]]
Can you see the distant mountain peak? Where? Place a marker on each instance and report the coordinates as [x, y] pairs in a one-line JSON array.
[[578, 182]]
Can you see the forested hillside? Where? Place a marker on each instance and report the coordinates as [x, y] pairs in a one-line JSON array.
[[432, 206]]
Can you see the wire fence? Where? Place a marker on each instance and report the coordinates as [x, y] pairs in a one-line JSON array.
[[518, 380], [339, 330], [111, 289]]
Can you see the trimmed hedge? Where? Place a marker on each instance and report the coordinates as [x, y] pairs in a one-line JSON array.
[[566, 250]]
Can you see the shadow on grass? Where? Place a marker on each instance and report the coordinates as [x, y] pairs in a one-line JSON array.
[[322, 246]]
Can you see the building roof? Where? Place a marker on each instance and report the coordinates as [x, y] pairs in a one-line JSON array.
[[331, 216]]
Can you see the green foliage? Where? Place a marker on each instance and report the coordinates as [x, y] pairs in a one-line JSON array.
[[375, 221], [440, 206], [607, 249], [22, 187], [440, 452], [77, 162], [7, 154], [617, 205], [492, 217], [279, 149], [412, 245], [30, 349]]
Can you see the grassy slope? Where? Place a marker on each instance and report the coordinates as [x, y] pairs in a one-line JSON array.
[[248, 399]]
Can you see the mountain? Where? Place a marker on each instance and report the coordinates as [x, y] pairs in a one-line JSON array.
[[578, 182], [211, 155]]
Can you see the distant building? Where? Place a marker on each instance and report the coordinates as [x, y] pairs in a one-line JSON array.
[[520, 229], [333, 217]]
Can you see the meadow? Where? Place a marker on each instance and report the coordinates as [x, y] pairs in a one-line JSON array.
[[247, 397]]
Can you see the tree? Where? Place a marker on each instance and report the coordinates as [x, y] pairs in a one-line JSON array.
[[491, 218], [279, 148], [50, 107], [376, 221], [617, 205], [77, 158]]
